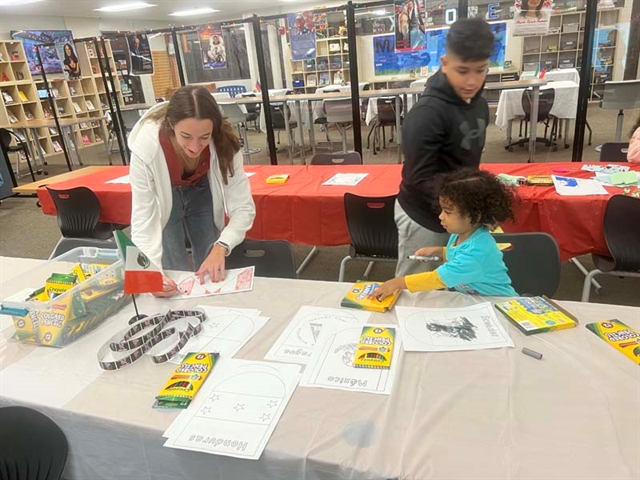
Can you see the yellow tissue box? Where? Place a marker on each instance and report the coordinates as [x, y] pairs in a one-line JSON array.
[[278, 178]]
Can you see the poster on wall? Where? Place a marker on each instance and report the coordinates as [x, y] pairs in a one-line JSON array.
[[140, 61], [531, 17], [302, 35], [214, 52], [410, 27], [50, 59], [71, 66]]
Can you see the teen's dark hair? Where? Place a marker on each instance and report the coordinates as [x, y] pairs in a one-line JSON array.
[[525, 8], [471, 39], [73, 55], [478, 194], [635, 127], [196, 102]]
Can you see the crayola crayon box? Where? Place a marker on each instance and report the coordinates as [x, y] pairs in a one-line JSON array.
[[358, 297], [620, 336], [375, 347], [63, 298], [184, 383]]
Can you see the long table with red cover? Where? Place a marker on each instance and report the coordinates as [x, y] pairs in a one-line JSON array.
[[304, 211]]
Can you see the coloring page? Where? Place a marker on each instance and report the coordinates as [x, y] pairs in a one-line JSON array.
[[346, 179], [237, 280], [331, 365], [297, 341], [226, 331], [447, 329], [237, 410]]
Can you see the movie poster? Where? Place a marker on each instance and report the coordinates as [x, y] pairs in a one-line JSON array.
[[410, 29], [68, 57], [214, 52], [140, 61], [302, 35], [531, 17]]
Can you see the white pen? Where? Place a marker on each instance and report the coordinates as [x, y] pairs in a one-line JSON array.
[[431, 258]]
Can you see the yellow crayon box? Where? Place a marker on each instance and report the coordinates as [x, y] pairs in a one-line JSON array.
[[282, 178], [620, 336], [185, 382], [375, 347], [358, 297]]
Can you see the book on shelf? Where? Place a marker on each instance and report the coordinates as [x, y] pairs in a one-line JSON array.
[[84, 125], [89, 105], [19, 75], [29, 115], [98, 138], [56, 146], [7, 97], [46, 111], [72, 90], [533, 315], [4, 77], [15, 55], [323, 79], [86, 140], [23, 96], [12, 117], [55, 92], [53, 131], [76, 107]]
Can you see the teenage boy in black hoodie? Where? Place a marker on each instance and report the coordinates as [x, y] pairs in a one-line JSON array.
[[443, 132]]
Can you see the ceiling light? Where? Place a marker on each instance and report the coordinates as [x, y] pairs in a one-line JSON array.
[[193, 11], [8, 3], [124, 7]]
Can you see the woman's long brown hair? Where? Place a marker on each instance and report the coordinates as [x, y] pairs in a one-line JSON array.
[[196, 102]]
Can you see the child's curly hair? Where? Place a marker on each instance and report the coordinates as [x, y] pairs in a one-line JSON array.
[[478, 194]]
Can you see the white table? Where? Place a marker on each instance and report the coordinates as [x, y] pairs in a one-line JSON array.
[[564, 107], [472, 415], [570, 74]]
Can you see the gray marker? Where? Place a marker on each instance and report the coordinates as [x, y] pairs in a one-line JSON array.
[[532, 353], [433, 258]]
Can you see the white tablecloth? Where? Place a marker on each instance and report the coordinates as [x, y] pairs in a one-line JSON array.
[[565, 103], [484, 414], [569, 74]]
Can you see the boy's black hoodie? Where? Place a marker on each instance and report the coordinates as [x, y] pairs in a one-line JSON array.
[[441, 133]]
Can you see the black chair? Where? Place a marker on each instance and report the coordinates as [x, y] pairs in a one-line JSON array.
[[621, 220], [533, 261], [614, 152], [32, 446], [372, 230], [272, 258], [545, 104], [345, 158], [386, 118], [78, 213], [278, 124], [6, 140], [253, 112]]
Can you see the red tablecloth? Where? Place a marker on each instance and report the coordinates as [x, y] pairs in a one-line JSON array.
[[303, 211]]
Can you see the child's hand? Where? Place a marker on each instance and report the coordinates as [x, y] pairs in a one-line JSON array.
[[388, 288]]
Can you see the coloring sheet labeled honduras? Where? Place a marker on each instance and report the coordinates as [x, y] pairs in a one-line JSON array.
[[299, 338], [331, 365], [237, 410], [446, 329], [226, 331], [236, 280]]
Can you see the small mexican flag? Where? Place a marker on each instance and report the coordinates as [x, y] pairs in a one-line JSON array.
[[140, 274]]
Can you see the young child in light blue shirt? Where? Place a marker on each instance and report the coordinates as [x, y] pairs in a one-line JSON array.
[[471, 201]]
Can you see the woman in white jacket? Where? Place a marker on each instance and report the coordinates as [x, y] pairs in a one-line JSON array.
[[186, 178]]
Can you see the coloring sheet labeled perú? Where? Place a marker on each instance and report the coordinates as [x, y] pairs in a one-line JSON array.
[[298, 339], [226, 331], [331, 365], [446, 329], [237, 410], [236, 280]]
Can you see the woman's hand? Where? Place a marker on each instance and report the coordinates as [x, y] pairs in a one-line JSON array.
[[430, 252], [213, 265], [169, 288], [388, 288]]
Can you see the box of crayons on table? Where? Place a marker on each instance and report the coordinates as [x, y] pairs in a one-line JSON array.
[[65, 297], [533, 315]]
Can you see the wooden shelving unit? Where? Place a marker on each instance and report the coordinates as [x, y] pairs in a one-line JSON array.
[[332, 58], [562, 47]]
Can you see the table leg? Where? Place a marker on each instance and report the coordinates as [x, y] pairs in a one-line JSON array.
[[105, 139], [312, 133], [567, 121], [30, 148], [71, 141], [533, 133], [398, 127], [36, 143], [301, 126], [509, 133], [285, 113]]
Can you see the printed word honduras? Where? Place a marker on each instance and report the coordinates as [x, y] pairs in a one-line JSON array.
[[140, 274]]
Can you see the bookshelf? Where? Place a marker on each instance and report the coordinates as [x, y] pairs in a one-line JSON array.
[[331, 62], [562, 47]]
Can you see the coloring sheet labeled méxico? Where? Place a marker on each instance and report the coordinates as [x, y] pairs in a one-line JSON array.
[[299, 338], [446, 329], [238, 409]]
